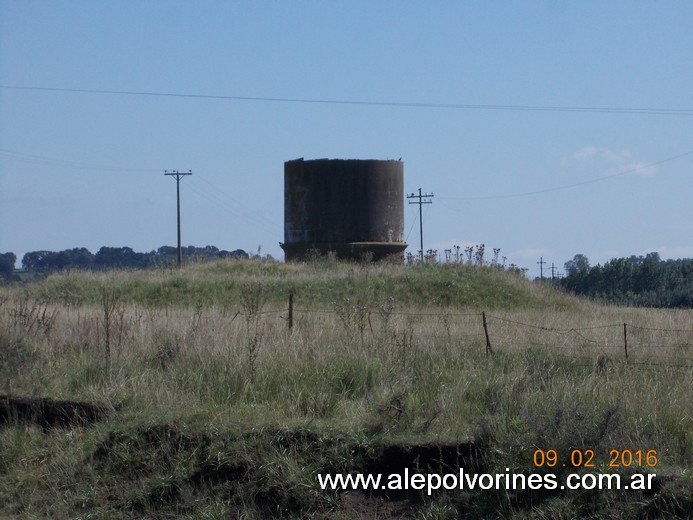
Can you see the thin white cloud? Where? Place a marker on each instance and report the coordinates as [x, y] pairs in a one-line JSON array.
[[596, 152], [613, 162]]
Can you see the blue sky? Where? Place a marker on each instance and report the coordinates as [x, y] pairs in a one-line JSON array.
[[495, 107]]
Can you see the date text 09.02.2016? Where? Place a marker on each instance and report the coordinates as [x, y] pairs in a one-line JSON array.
[[578, 458]]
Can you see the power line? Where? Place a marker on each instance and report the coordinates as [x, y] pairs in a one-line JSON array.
[[39, 159], [575, 185], [687, 112], [217, 195], [410, 230], [236, 210], [242, 210]]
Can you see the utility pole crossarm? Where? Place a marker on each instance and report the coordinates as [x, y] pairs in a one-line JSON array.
[[420, 202], [178, 176], [541, 263]]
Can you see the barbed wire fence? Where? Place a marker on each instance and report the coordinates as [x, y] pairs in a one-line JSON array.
[[634, 344]]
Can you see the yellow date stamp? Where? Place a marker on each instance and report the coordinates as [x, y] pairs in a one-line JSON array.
[[585, 458]]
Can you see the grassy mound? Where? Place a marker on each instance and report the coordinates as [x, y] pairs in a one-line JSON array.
[[319, 283], [217, 409]]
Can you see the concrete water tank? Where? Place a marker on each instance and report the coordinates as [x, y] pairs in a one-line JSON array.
[[353, 208]]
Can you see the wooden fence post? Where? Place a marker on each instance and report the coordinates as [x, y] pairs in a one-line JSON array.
[[489, 350], [625, 341], [291, 311]]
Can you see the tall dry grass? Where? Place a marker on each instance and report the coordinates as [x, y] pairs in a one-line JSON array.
[[357, 358], [383, 352]]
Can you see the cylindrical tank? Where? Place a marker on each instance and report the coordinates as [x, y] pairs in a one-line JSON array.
[[353, 208]]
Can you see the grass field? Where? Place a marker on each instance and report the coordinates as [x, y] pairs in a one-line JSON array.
[[217, 409]]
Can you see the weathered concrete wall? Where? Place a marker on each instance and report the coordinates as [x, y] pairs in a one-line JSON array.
[[351, 207]]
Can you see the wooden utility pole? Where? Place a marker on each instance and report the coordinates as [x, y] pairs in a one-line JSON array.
[[178, 176], [421, 196], [541, 268]]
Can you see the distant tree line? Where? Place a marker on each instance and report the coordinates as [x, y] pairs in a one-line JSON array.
[[637, 280], [109, 258]]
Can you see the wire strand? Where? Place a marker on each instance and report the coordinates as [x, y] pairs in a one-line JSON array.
[[574, 185], [398, 104]]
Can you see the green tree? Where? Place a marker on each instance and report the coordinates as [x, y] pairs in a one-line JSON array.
[[120, 258], [41, 261], [637, 280], [7, 261], [577, 264]]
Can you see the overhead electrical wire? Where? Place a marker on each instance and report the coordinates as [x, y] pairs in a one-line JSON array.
[[52, 161], [228, 203], [259, 219], [217, 196], [415, 218], [237, 214], [400, 104], [265, 222], [573, 185]]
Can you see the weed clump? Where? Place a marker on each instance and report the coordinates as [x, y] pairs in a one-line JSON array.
[[16, 355]]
